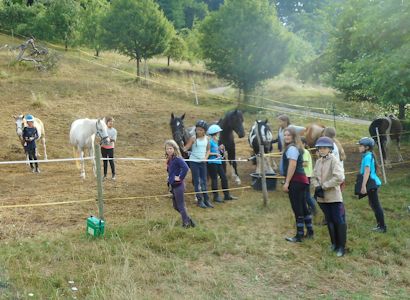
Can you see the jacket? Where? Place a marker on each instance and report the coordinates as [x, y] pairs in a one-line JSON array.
[[177, 167], [328, 173]]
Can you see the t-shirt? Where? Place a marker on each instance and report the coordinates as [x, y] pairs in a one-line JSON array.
[[369, 161], [30, 132], [307, 163], [214, 148], [112, 134], [198, 149]]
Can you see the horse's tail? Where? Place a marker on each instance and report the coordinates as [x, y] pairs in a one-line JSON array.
[[75, 155]]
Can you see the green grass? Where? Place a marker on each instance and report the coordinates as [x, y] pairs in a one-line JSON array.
[[236, 252]]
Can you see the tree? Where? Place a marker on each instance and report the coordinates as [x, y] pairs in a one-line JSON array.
[[174, 11], [176, 49], [91, 29], [137, 28], [60, 22], [244, 43], [370, 58]]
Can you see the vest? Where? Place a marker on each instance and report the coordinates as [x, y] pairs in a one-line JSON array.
[[299, 162]]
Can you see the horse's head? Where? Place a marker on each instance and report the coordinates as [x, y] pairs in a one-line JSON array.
[[236, 121], [265, 133], [19, 120], [178, 129], [102, 133]]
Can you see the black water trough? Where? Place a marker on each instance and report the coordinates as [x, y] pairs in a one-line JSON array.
[[257, 181]]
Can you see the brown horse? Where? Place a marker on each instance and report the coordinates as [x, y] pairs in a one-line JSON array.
[[315, 131]]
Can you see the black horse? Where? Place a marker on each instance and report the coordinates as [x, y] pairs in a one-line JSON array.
[[179, 133], [230, 123], [389, 128], [265, 134]]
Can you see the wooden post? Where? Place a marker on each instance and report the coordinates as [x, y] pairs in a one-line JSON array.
[[262, 167], [100, 196], [334, 114], [381, 155], [194, 90]]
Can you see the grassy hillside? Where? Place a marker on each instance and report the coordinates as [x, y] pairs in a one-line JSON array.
[[238, 249]]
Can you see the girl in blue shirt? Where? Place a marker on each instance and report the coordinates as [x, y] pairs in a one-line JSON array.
[[368, 170], [215, 167], [177, 170]]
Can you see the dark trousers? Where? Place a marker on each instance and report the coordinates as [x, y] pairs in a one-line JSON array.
[[336, 223], [32, 156], [198, 170], [310, 201], [297, 197], [178, 201], [108, 153], [214, 170], [376, 207]]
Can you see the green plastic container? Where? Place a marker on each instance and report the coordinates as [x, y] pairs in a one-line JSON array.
[[95, 226]]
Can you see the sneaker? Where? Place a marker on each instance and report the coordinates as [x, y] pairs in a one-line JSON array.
[[33, 170], [208, 203], [340, 252], [38, 170], [294, 239], [190, 224], [380, 229], [105, 177], [218, 199], [230, 197], [113, 178]]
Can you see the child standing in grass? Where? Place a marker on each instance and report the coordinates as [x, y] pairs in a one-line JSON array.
[[327, 177], [296, 183], [107, 151], [177, 170], [30, 135], [215, 167], [368, 170], [199, 146], [308, 167]]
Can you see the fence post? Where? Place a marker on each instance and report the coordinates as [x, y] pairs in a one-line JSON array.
[[262, 168], [100, 196], [194, 90], [334, 114], [381, 155]]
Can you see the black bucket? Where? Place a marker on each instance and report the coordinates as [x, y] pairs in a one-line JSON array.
[[257, 181]]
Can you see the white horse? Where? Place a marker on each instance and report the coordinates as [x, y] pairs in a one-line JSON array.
[[38, 124], [82, 136]]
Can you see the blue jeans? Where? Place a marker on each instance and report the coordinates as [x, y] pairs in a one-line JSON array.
[[198, 170]]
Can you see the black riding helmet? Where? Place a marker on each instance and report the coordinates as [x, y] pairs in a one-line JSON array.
[[202, 124]]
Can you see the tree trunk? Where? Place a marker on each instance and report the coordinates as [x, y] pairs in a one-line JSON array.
[[402, 110], [65, 44], [97, 52], [169, 60], [138, 68]]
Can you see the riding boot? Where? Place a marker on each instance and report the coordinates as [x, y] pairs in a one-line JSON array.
[[300, 228], [217, 199], [208, 203], [341, 232], [309, 226], [201, 203], [228, 196], [332, 234]]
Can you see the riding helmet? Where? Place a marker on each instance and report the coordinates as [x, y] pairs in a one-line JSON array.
[[324, 141], [202, 124], [213, 129], [29, 118], [366, 141]]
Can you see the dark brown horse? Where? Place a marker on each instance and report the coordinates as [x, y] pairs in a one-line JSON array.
[[389, 128], [180, 134]]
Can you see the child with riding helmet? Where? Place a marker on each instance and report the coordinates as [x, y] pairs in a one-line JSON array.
[[177, 170], [215, 167], [327, 177], [199, 146], [368, 168], [296, 183], [30, 135]]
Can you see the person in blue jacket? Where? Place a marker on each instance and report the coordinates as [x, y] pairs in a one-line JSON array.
[[368, 170], [177, 170], [30, 135]]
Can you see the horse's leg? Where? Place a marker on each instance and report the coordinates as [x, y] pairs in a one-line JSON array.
[[43, 139], [82, 172], [385, 153], [233, 164]]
